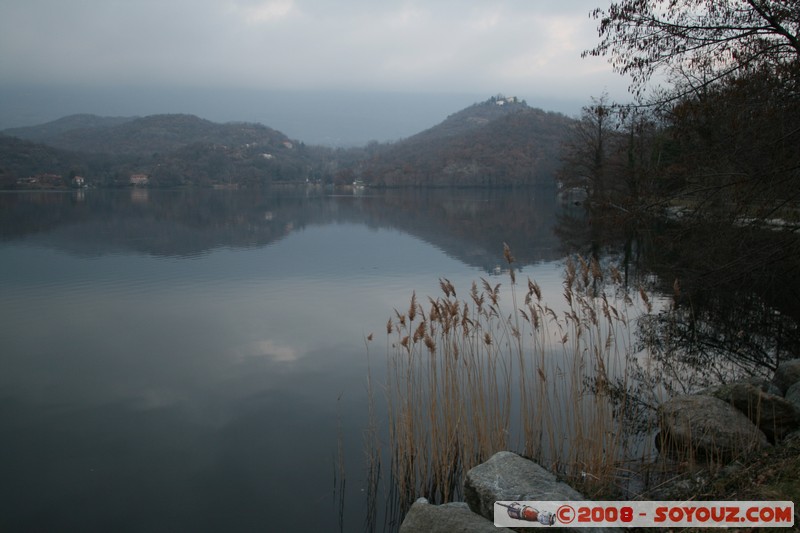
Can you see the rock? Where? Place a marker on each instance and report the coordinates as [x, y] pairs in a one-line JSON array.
[[794, 435], [707, 427], [721, 391], [450, 517], [787, 374], [773, 414], [508, 477], [793, 395]]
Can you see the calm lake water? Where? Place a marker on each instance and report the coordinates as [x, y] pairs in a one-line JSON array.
[[192, 361]]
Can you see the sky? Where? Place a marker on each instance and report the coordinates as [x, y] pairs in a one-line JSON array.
[[464, 48]]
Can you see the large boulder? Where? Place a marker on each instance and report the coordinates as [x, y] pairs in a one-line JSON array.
[[793, 395], [722, 391], [448, 518], [706, 427], [508, 477], [773, 414], [787, 374]]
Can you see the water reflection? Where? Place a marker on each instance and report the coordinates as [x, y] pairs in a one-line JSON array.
[[734, 296], [173, 361], [200, 355], [140, 196], [469, 225]]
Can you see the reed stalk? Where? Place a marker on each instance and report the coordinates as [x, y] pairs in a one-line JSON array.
[[468, 377]]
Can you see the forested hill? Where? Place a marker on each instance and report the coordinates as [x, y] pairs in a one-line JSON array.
[[499, 142], [472, 118], [167, 150], [143, 136], [21, 159]]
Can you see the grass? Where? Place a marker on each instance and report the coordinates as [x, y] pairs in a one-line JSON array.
[[773, 474], [471, 376], [767, 475]]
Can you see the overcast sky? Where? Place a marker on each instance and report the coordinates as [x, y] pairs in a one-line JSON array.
[[527, 48]]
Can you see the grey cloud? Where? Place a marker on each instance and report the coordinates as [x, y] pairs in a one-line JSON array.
[[455, 45]]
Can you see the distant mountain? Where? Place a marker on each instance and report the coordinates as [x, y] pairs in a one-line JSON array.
[[499, 142]]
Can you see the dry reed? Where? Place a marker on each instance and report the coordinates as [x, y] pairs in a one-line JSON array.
[[470, 377], [339, 478]]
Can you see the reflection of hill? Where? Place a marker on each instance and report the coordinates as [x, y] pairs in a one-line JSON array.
[[156, 223], [470, 226]]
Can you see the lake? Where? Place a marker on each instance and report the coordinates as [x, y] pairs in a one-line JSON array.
[[194, 361]]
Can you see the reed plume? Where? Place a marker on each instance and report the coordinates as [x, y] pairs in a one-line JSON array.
[[490, 376]]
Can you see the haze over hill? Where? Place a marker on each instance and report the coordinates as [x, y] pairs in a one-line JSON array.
[[330, 118]]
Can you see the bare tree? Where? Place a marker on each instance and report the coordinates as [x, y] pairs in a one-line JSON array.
[[611, 155], [719, 151], [587, 150], [716, 37]]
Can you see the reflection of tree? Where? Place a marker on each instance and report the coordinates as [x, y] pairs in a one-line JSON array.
[[747, 334], [737, 294], [606, 236], [734, 296]]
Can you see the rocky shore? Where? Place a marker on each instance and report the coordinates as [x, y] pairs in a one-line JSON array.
[[739, 441]]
